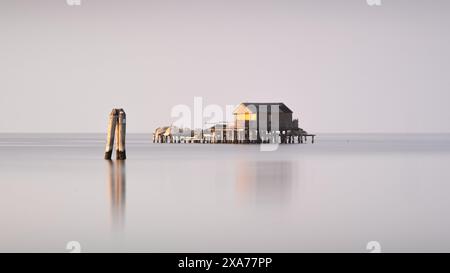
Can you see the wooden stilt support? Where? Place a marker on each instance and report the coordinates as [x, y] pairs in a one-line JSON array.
[[121, 132], [110, 136], [116, 134]]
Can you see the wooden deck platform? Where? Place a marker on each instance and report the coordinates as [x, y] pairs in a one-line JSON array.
[[274, 139]]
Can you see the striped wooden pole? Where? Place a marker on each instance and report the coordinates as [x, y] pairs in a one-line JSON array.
[[120, 136], [110, 137]]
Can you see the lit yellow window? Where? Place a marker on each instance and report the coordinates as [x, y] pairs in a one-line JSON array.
[[246, 116]]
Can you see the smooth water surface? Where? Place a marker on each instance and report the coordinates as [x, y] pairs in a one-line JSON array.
[[335, 195]]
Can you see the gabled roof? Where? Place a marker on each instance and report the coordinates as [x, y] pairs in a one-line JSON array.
[[244, 107]]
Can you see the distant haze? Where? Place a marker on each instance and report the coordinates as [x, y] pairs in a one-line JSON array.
[[341, 66]]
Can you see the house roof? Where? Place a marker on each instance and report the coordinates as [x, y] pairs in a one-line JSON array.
[[244, 107]]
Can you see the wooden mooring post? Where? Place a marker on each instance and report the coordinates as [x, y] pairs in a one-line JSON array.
[[116, 132], [110, 136]]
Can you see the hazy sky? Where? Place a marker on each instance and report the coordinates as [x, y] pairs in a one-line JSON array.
[[341, 66]]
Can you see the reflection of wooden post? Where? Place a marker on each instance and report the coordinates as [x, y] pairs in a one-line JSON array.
[[120, 136], [110, 137], [117, 187]]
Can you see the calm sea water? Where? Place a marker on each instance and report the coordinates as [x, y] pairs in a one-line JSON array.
[[333, 196]]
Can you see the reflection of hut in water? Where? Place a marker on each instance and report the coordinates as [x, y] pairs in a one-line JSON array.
[[265, 182]]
